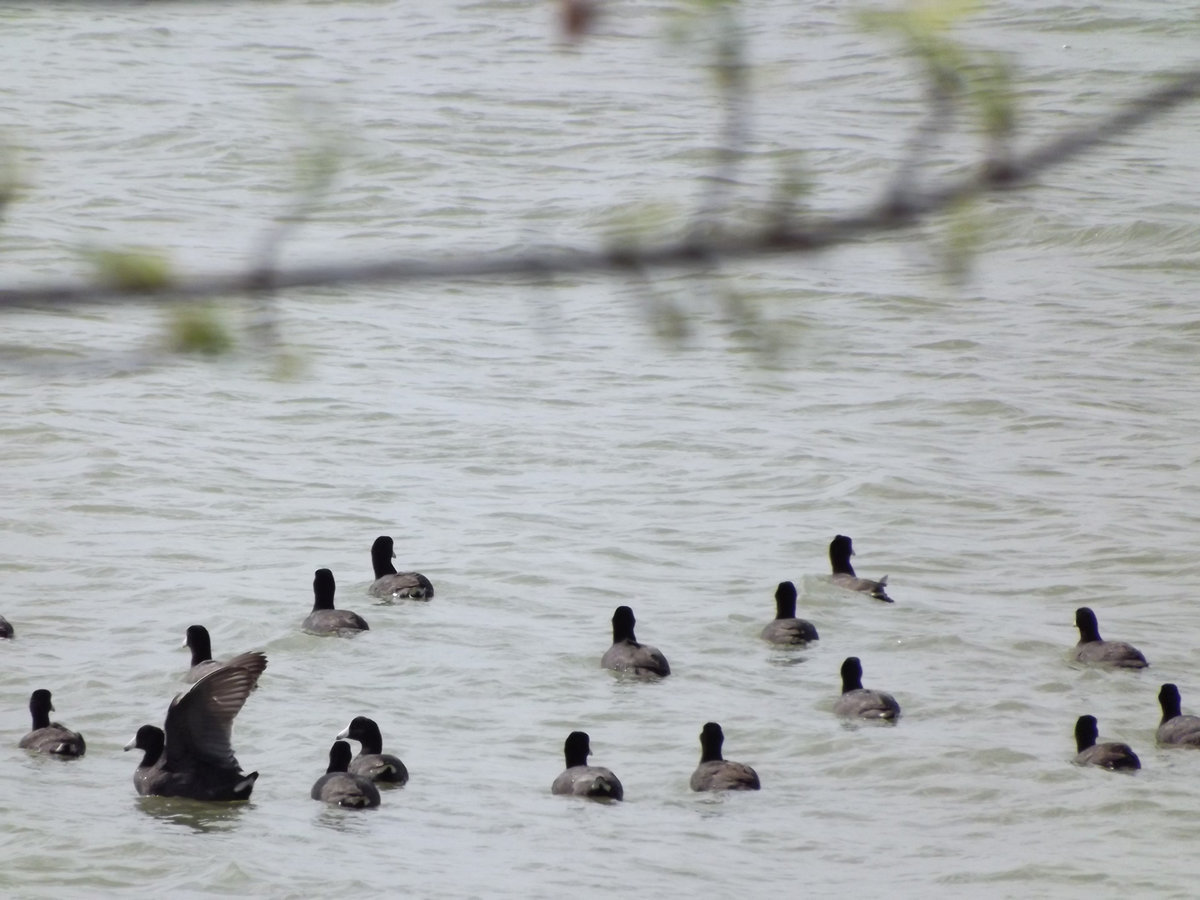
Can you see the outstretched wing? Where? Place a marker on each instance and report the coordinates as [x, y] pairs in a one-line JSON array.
[[199, 722]]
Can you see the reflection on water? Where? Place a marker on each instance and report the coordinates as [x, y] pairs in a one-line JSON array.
[[785, 658], [194, 814], [346, 821]]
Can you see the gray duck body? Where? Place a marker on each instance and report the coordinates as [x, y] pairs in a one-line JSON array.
[[862, 703], [581, 780], [1108, 755], [1093, 650], [627, 655], [371, 762], [340, 787], [388, 582], [50, 737], [715, 773], [324, 619], [785, 628], [841, 548], [1176, 729]]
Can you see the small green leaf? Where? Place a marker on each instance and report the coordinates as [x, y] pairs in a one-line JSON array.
[[633, 225], [994, 97], [963, 230], [137, 271], [919, 20], [198, 329]]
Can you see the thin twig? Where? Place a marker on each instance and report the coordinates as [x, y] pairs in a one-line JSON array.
[[904, 182], [733, 84]]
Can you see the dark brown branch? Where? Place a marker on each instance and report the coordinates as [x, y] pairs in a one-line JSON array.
[[813, 234]]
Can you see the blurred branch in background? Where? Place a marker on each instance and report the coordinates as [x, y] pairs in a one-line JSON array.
[[955, 78], [780, 236]]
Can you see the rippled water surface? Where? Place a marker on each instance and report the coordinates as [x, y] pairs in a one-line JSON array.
[[1007, 447]]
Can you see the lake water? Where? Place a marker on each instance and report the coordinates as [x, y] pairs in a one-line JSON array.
[[1007, 446]]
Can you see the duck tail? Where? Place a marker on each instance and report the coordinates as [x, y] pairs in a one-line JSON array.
[[243, 788], [601, 787], [880, 592]]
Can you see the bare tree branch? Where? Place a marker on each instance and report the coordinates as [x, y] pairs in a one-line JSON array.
[[778, 238]]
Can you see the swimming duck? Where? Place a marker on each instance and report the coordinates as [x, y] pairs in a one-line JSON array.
[[581, 780], [341, 787], [1091, 649], [715, 773], [47, 736], [198, 641], [192, 755], [1109, 755], [626, 654], [371, 762], [324, 619], [1175, 727], [840, 550], [390, 583], [859, 702], [786, 628]]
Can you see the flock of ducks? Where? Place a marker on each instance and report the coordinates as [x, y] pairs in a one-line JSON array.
[[716, 773], [192, 756]]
